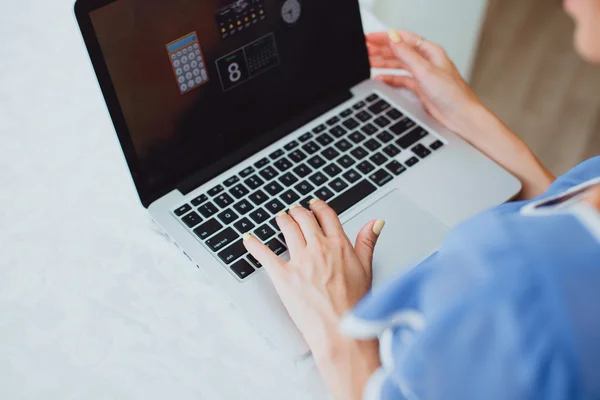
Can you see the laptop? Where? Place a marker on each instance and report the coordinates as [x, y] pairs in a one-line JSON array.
[[228, 112]]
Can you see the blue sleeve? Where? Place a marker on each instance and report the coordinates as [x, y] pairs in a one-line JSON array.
[[582, 173]]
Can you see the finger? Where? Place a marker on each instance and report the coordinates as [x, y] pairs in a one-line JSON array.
[[386, 63], [272, 263], [365, 244], [307, 222], [414, 62], [429, 50], [328, 218], [294, 237], [399, 81], [378, 38]]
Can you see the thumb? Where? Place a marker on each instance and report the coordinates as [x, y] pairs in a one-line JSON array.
[[366, 241], [414, 62]]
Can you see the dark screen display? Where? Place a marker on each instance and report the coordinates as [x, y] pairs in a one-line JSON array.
[[197, 80]]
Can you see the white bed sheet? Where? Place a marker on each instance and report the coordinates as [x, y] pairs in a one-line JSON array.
[[95, 303]]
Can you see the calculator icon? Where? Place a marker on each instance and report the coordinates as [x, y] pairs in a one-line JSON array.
[[187, 61]]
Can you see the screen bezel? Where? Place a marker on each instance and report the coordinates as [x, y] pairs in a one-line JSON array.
[[149, 194]]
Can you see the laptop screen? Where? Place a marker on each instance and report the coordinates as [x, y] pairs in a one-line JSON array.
[[198, 80]]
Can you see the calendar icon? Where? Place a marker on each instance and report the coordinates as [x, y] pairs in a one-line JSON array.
[[185, 56]]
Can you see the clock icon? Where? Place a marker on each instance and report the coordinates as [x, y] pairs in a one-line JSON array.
[[291, 10]]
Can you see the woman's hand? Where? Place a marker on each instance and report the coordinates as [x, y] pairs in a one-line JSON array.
[[325, 277]]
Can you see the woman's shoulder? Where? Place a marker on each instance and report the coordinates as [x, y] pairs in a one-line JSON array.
[[587, 170]]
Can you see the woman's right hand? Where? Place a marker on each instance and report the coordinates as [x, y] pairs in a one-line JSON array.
[[435, 79]]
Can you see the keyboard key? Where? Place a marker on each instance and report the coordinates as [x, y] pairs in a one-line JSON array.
[[269, 173], [364, 116], [333, 121], [304, 188], [385, 137], [199, 200], [350, 123], [359, 105], [381, 177], [208, 229], [391, 150], [192, 219], [357, 137], [215, 191], [283, 164], [274, 206], [297, 156], [222, 240], [324, 194], [244, 225], [343, 145], [372, 98], [311, 148], [325, 139], [330, 153], [227, 217], [258, 197], [372, 144], [379, 107], [232, 181], [242, 269], [434, 146], [276, 154], [273, 188], [239, 191], [224, 200], [233, 252], [274, 223], [411, 162], [306, 137], [264, 232], [395, 167], [247, 172], [365, 167], [316, 162], [394, 114], [382, 122], [288, 180], [411, 138], [403, 126], [338, 131], [182, 210], [276, 247], [290, 197], [254, 182], [253, 261], [319, 129], [369, 129], [351, 176], [346, 113], [302, 171], [291, 145], [261, 163], [359, 153], [346, 161], [318, 179], [421, 151], [338, 185], [306, 202], [259, 216], [332, 170], [208, 210], [243, 207], [378, 159], [352, 197]]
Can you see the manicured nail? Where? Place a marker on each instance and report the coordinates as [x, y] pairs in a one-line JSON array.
[[246, 236], [294, 206], [394, 37], [313, 201], [281, 213], [378, 227]]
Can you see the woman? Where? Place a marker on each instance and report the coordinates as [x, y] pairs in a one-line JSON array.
[[505, 309]]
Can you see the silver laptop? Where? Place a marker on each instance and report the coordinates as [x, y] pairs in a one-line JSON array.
[[231, 111]]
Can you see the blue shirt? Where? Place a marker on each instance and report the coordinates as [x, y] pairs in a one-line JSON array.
[[509, 307]]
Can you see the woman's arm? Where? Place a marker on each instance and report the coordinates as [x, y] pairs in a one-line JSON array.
[[449, 99]]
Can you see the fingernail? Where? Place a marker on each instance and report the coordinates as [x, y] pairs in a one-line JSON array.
[[294, 206], [246, 236], [281, 213], [313, 201], [378, 227], [394, 37]]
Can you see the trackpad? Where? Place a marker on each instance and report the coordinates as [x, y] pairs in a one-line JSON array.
[[411, 234]]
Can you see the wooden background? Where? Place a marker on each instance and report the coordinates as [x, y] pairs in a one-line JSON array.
[[528, 72]]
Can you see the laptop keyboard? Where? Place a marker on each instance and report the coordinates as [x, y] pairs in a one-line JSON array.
[[341, 161]]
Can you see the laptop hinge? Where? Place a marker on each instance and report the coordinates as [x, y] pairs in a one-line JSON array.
[[199, 178]]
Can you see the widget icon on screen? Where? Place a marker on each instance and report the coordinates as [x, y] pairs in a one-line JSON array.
[[185, 56], [291, 11], [240, 15]]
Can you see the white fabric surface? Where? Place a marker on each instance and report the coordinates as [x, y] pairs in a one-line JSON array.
[[95, 303]]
